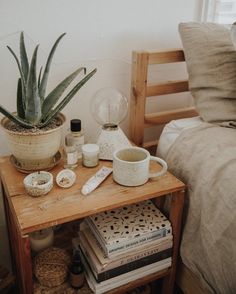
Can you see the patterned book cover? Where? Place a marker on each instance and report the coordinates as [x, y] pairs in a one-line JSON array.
[[129, 244], [103, 253], [129, 224]]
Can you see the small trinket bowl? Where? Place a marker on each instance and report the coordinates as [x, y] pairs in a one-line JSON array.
[[38, 183], [65, 178]]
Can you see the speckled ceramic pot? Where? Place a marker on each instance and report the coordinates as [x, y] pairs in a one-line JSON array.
[[34, 151]]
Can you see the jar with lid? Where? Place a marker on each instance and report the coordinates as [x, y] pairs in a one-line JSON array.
[[76, 271], [78, 135], [70, 157], [90, 155]]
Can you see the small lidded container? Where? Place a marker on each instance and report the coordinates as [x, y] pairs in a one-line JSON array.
[[90, 155]]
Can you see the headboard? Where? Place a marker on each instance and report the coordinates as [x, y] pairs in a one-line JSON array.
[[141, 89]]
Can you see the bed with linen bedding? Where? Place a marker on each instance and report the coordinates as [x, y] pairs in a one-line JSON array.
[[200, 150]]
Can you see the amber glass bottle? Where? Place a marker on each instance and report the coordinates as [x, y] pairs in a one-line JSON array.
[[76, 271]]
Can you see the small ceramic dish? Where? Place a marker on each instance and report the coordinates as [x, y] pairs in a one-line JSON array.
[[65, 178], [38, 183]]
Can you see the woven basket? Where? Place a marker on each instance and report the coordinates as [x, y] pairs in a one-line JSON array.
[[51, 266]]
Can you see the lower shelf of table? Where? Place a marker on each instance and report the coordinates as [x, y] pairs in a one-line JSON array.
[[38, 289], [62, 239]]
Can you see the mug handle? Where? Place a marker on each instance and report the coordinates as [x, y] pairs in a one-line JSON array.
[[162, 163]]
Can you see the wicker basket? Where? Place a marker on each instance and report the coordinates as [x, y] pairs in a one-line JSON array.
[[51, 266]]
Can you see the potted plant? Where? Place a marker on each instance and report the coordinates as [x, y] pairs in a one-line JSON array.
[[34, 131]]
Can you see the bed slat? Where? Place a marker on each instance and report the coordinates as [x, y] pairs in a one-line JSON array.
[[167, 88], [166, 57]]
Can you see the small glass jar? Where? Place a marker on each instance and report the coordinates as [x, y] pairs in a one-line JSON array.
[[90, 155], [70, 153]]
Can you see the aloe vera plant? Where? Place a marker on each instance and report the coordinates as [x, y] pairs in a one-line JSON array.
[[34, 107]]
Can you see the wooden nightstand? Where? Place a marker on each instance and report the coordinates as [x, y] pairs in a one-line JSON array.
[[25, 214]]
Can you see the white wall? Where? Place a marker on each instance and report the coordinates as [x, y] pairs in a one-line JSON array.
[[100, 33]]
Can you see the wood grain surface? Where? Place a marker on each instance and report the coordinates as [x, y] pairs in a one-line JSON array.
[[64, 205]]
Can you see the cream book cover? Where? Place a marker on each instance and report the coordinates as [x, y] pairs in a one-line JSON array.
[[124, 224]]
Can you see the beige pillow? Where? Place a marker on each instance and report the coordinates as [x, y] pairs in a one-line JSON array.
[[211, 64]]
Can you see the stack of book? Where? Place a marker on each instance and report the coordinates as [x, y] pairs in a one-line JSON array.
[[125, 244]]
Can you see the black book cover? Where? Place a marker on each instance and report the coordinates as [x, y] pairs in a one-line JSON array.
[[111, 273]]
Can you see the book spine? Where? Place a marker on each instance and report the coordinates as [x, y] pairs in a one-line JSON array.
[[138, 256], [123, 279], [134, 265], [90, 237], [129, 243], [88, 240], [107, 265], [100, 277], [134, 243]]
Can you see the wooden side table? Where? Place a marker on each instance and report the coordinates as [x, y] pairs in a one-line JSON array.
[[25, 214]]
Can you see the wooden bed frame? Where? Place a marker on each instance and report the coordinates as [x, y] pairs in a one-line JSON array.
[[141, 89]]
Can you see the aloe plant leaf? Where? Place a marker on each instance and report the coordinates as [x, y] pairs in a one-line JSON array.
[[55, 94], [33, 103], [19, 101], [40, 75], [15, 119], [67, 99], [21, 72], [43, 84], [23, 57], [39, 81]]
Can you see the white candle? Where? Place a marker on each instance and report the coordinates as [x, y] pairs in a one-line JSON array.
[[42, 239], [90, 155]]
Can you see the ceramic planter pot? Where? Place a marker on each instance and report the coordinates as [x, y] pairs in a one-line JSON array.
[[34, 151]]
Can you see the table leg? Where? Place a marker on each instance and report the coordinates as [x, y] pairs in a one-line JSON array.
[[175, 217], [20, 252]]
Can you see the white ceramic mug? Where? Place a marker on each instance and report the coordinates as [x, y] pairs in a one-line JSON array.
[[131, 166]]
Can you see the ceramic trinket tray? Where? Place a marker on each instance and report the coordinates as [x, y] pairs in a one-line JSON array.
[[65, 178], [38, 183]]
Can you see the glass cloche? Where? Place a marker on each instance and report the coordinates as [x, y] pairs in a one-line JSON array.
[[109, 108]]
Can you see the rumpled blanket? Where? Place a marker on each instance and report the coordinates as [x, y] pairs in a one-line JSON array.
[[204, 158]]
